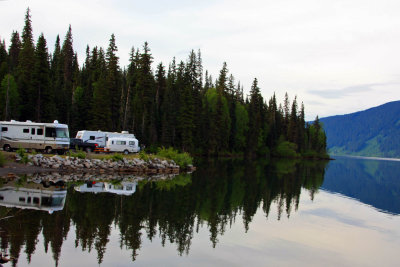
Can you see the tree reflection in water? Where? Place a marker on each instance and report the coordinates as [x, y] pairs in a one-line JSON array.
[[216, 195]]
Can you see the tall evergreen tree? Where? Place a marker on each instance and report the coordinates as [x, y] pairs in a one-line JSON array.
[[45, 109], [13, 52], [25, 66], [113, 83]]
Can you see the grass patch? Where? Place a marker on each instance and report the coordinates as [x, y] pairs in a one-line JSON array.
[[79, 154], [182, 159]]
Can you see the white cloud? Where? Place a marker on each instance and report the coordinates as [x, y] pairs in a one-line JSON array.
[[293, 46]]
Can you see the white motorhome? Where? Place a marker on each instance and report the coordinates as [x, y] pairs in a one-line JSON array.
[[33, 196], [100, 138], [122, 144], [34, 135]]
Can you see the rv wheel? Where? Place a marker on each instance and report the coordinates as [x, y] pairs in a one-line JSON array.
[[126, 152], [7, 148], [48, 150]]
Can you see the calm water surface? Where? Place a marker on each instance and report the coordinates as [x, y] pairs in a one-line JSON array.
[[227, 213]]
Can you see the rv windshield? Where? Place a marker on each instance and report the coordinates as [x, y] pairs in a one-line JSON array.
[[62, 132]]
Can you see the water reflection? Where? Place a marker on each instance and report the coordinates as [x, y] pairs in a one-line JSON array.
[[119, 188], [174, 209], [36, 196], [373, 182]]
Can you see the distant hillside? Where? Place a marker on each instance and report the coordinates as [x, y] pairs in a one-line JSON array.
[[372, 132]]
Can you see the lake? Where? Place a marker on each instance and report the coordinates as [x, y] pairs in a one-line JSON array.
[[343, 212]]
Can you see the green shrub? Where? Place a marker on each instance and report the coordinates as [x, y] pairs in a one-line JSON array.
[[2, 159], [78, 154], [117, 157], [21, 152], [143, 156], [287, 150], [25, 159], [182, 159]]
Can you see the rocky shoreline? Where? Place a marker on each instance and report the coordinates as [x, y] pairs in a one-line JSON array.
[[134, 166]]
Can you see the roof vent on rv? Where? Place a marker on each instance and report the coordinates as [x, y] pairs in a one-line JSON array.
[[56, 121], [13, 120], [125, 132], [28, 121]]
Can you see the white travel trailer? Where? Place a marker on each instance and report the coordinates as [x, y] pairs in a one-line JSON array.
[[122, 144], [34, 135], [33, 196], [124, 188], [100, 138]]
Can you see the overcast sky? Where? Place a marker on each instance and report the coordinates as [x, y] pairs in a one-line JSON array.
[[337, 56]]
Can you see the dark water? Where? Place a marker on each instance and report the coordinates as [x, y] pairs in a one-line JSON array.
[[227, 213]]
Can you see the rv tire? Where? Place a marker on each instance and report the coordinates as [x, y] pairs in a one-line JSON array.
[[7, 148], [126, 152], [48, 150]]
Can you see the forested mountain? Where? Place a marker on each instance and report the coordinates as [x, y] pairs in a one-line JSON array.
[[179, 105], [372, 132]]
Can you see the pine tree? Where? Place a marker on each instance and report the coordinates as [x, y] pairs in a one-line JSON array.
[[4, 69], [113, 83], [45, 109], [255, 110], [13, 52], [25, 67], [66, 82]]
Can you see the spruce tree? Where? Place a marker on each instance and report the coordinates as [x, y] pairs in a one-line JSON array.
[[45, 110], [13, 52], [25, 66]]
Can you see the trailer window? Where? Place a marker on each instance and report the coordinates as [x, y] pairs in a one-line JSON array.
[[21, 199], [33, 130], [25, 130], [121, 142], [131, 143], [92, 137], [39, 131], [4, 129]]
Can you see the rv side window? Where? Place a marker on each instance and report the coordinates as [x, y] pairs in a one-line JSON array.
[[131, 143], [25, 130], [33, 131], [121, 142], [21, 199], [4, 129], [50, 132], [39, 131], [92, 137], [112, 142], [36, 200], [1, 198]]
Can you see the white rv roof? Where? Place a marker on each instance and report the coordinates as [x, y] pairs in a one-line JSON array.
[[30, 123]]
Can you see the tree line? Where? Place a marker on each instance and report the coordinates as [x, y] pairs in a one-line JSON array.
[[180, 105]]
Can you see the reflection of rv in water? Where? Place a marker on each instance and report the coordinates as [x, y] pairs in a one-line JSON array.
[[31, 135], [32, 196], [123, 188]]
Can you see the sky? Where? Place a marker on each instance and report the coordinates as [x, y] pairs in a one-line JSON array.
[[337, 57]]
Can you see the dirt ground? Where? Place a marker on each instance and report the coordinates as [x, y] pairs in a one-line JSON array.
[[17, 168]]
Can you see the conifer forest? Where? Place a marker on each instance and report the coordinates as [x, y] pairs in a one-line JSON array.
[[176, 105]]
